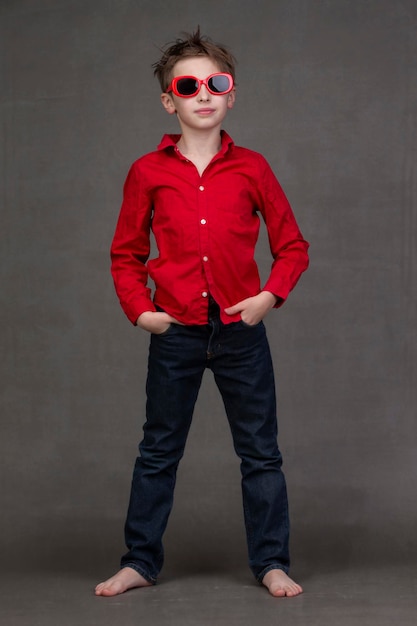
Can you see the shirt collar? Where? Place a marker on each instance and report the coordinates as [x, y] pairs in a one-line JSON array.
[[170, 141]]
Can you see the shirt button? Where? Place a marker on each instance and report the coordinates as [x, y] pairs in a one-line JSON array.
[[204, 294], [201, 188], [203, 221], [205, 258]]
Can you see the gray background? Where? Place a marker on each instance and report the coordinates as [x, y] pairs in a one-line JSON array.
[[327, 92]]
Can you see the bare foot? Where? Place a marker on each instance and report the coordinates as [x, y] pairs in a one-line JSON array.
[[126, 578], [279, 584]]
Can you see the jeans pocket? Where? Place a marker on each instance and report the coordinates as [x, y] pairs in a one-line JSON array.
[[164, 332], [246, 325]]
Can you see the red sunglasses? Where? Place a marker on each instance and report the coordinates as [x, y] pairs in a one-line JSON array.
[[188, 86]]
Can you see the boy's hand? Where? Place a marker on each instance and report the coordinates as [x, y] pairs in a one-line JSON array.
[[155, 321], [253, 310]]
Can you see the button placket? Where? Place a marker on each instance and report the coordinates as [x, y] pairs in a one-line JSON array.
[[203, 229]]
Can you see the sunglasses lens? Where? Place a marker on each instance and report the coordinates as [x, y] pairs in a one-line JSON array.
[[219, 84], [187, 86]]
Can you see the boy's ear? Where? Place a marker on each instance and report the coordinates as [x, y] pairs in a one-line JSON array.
[[231, 99], [168, 103]]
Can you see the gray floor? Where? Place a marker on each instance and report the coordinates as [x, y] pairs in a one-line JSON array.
[[38, 588], [382, 597]]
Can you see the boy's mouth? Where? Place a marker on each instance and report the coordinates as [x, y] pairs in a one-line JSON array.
[[205, 111]]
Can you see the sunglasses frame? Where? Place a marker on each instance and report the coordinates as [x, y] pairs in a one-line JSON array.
[[173, 85]]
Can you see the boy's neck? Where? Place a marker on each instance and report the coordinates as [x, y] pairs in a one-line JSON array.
[[201, 143]]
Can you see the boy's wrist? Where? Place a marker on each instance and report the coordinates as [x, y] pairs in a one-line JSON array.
[[269, 297], [277, 300]]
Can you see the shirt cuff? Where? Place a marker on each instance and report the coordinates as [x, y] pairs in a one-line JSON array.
[[136, 307]]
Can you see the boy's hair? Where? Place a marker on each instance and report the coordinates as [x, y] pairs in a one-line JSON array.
[[191, 46]]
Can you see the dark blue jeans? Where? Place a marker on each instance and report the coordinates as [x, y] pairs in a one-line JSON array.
[[240, 360]]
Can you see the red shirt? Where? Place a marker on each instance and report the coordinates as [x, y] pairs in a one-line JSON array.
[[205, 228]]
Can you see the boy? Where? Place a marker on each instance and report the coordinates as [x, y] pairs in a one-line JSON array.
[[200, 194]]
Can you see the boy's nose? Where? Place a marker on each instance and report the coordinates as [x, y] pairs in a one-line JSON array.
[[203, 94]]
